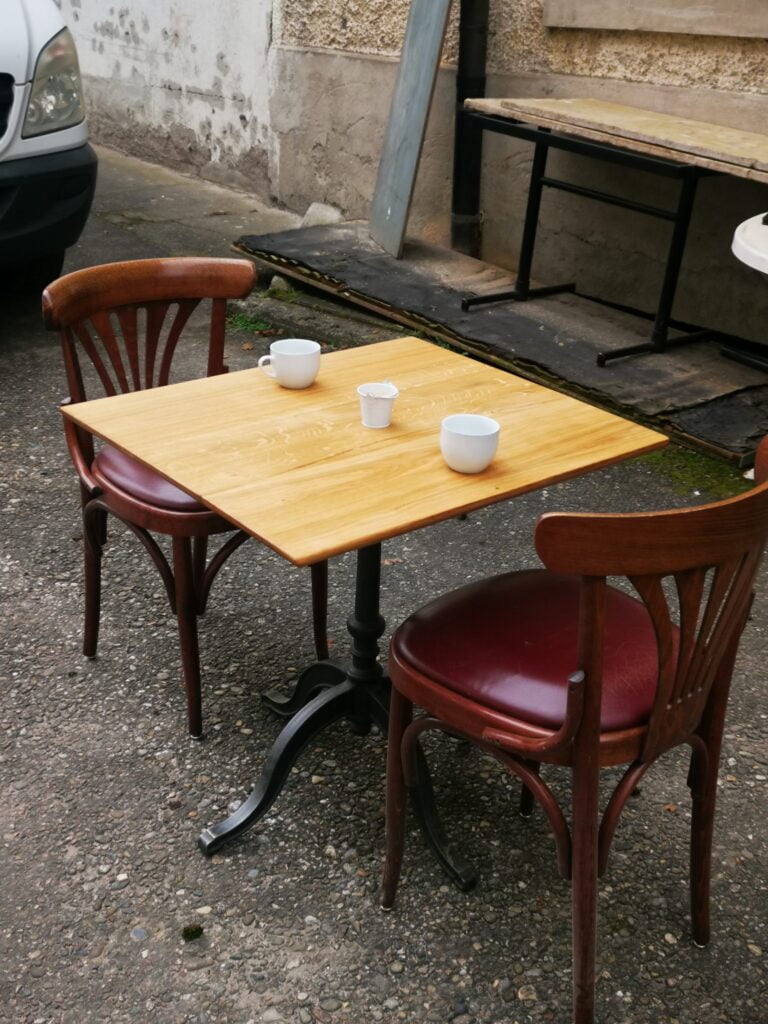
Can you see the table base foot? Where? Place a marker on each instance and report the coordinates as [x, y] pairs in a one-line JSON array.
[[328, 706], [516, 295], [319, 676], [657, 346], [460, 872]]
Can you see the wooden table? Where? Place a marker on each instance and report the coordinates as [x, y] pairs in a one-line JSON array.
[[663, 144], [297, 470]]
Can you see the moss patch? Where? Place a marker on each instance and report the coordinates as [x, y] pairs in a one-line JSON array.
[[689, 471], [288, 295]]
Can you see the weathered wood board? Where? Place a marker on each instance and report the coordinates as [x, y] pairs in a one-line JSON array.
[[554, 340], [736, 18], [717, 147], [419, 61]]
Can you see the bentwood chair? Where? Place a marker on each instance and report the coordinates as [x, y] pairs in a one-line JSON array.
[[126, 320], [557, 667]]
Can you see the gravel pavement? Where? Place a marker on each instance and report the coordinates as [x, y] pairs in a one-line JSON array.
[[104, 793]]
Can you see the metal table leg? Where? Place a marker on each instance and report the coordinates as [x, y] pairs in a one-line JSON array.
[[522, 290], [660, 340]]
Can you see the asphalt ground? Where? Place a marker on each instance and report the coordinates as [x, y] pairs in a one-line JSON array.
[[104, 794]]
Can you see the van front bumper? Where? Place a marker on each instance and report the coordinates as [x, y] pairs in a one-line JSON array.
[[44, 202]]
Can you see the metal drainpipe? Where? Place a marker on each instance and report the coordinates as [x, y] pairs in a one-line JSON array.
[[468, 136]]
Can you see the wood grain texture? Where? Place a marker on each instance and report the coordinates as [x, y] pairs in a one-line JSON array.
[[297, 470], [734, 18], [704, 144], [419, 61]]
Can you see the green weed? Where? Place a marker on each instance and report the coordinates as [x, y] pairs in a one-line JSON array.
[[246, 322]]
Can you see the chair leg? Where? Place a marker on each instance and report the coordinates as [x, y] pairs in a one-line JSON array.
[[703, 783], [85, 496], [319, 573], [400, 713], [584, 890], [186, 616], [702, 779], [94, 529], [199, 558], [526, 796]]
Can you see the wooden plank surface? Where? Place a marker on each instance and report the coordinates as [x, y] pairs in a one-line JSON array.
[[729, 150], [419, 61], [297, 470], [734, 18]]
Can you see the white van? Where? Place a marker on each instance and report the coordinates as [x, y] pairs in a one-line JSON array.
[[47, 168]]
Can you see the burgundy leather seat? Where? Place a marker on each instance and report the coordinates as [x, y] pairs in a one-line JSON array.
[[143, 483], [510, 642]]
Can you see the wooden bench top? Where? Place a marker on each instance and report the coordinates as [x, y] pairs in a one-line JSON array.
[[713, 146]]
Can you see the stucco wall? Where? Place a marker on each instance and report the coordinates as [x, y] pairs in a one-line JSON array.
[[518, 42], [364, 26], [220, 90]]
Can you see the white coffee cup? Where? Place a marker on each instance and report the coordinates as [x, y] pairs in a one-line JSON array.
[[293, 362], [469, 442], [376, 401]]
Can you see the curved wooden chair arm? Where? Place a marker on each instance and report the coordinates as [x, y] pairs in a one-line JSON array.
[[79, 460], [553, 744]]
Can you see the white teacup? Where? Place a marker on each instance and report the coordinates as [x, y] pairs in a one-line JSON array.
[[293, 362], [376, 401], [468, 442]]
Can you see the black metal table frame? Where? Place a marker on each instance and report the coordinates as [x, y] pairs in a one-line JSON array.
[[325, 692], [545, 139]]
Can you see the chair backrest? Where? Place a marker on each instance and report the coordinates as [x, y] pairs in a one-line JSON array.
[[694, 570], [127, 318]]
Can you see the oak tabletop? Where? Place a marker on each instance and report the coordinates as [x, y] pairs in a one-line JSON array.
[[299, 471]]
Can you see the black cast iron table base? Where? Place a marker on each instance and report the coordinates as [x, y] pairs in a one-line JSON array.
[[327, 691]]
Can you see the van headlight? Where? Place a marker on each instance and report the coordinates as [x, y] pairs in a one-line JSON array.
[[56, 100]]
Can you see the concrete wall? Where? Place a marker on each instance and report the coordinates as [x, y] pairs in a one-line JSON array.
[[181, 82], [290, 98], [223, 91]]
